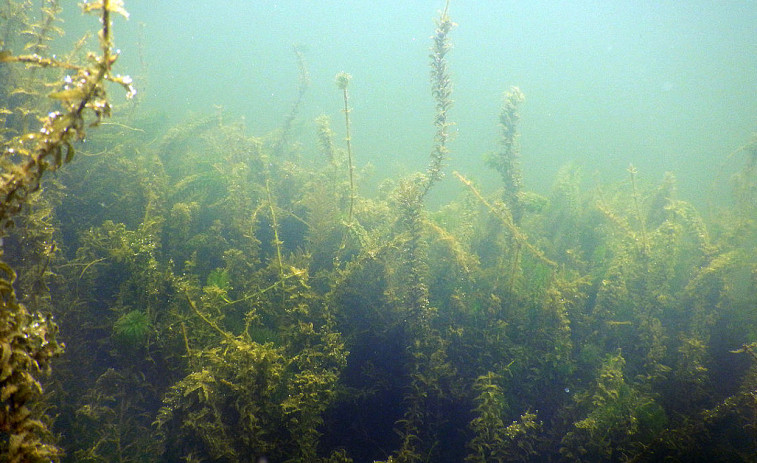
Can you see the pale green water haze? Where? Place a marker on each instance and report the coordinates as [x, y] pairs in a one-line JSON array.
[[662, 85]]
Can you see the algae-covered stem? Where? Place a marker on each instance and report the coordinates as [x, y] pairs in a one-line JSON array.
[[105, 64], [507, 221], [441, 89], [59, 130], [304, 84], [342, 81]]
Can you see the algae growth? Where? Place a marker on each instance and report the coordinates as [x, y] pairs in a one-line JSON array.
[[223, 296]]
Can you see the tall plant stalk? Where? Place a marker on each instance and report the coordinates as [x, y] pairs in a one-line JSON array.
[[343, 81]]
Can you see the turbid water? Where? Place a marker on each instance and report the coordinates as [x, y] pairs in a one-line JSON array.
[[372, 231]]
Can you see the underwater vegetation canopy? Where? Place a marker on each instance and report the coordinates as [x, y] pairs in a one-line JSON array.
[[224, 296]]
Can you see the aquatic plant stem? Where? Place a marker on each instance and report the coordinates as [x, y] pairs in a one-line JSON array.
[[517, 234], [278, 148], [186, 340], [342, 81], [277, 242], [206, 320], [515, 264], [441, 89], [645, 246], [507, 161], [54, 142], [348, 140]]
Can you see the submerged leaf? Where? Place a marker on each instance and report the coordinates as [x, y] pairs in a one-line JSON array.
[[68, 95], [114, 6], [117, 6]]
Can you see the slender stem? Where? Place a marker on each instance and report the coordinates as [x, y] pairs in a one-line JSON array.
[[507, 221], [645, 247], [206, 319], [277, 242], [348, 140]]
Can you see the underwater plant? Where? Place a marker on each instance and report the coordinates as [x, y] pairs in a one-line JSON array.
[[620, 418], [27, 339], [493, 441], [278, 148], [132, 329], [223, 296], [342, 82], [441, 89], [507, 161]]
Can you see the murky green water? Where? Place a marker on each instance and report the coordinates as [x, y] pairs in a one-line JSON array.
[[532, 237]]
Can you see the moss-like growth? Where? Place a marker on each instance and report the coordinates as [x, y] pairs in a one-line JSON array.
[[132, 329]]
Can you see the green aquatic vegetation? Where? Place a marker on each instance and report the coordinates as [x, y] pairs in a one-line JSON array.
[[28, 339], [342, 82], [441, 89], [32, 248], [506, 219], [265, 309], [132, 329], [428, 369], [619, 417], [493, 441], [245, 397], [112, 424], [264, 335], [219, 278], [113, 180], [326, 140], [127, 262], [243, 377], [646, 264], [745, 187], [412, 294], [568, 222], [507, 161], [280, 144], [273, 312], [27, 30], [53, 145]]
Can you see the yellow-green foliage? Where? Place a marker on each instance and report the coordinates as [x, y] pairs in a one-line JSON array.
[[230, 404], [244, 397], [493, 441], [618, 415], [342, 81], [441, 89], [28, 340], [27, 29], [507, 161], [212, 285]]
